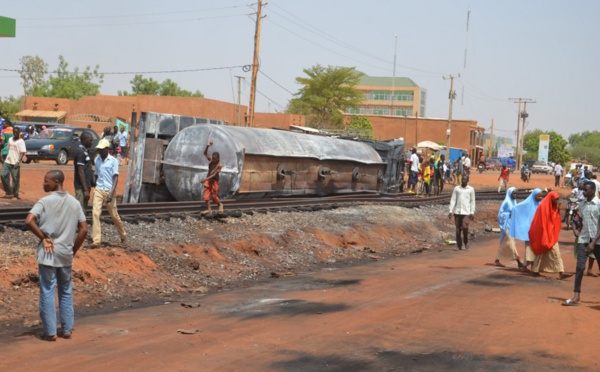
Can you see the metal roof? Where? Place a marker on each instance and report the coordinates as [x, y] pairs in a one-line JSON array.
[[42, 114], [382, 81]]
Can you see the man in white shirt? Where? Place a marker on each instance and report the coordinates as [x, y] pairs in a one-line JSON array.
[[558, 171], [414, 171], [597, 183], [462, 207], [11, 166], [467, 165]]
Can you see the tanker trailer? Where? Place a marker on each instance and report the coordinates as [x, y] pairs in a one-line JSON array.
[[266, 162]]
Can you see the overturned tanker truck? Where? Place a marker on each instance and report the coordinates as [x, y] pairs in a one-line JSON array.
[[169, 162]]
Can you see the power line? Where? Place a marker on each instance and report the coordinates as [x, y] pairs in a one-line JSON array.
[[276, 83], [133, 23], [131, 15], [244, 67]]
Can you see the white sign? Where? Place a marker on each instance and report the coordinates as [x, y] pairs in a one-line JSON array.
[[544, 147]]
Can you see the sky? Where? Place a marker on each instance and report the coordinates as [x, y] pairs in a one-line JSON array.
[[537, 49]]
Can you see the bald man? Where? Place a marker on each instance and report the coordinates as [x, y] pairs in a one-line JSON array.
[[58, 221]]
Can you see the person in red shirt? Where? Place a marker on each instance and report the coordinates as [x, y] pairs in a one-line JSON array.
[[504, 174]]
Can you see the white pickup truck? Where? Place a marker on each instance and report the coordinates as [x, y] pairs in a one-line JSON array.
[[541, 167]]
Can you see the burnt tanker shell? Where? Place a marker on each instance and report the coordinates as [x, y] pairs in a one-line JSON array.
[[184, 163]]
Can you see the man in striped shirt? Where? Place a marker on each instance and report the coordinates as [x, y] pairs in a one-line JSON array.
[[588, 239]]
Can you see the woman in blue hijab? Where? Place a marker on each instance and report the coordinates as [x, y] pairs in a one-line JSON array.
[[507, 250], [520, 221]]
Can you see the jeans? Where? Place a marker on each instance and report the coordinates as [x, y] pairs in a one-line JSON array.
[[581, 260], [49, 276], [556, 181]]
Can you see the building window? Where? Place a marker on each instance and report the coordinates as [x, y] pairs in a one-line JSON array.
[[386, 95]]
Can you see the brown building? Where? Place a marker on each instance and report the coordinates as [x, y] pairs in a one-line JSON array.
[[100, 111], [465, 134]]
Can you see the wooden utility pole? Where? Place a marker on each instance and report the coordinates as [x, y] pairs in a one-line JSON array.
[[255, 65], [491, 152], [451, 97]]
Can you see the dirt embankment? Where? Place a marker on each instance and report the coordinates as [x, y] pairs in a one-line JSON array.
[[169, 258]]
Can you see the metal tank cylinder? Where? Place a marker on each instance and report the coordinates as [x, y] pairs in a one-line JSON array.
[[250, 155]]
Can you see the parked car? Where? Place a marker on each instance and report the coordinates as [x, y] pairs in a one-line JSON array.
[[541, 167], [493, 164], [57, 143]]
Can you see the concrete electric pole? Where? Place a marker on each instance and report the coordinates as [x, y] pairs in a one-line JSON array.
[[451, 97], [255, 65], [521, 128]]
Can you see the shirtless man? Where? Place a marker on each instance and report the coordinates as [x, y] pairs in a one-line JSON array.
[[211, 182]]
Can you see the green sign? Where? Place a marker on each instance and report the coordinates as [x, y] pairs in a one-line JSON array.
[[8, 27]]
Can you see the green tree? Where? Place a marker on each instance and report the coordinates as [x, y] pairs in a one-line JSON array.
[[9, 106], [325, 94], [557, 151], [70, 84], [363, 125], [150, 87], [585, 146], [33, 72]]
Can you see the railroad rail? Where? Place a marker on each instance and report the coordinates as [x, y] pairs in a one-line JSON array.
[[129, 212]]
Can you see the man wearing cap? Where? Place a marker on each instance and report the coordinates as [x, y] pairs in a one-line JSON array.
[[107, 177]]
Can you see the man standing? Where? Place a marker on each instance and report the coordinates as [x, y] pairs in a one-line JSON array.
[[59, 222], [460, 169], [462, 206], [11, 166], [503, 178], [211, 182], [597, 183], [84, 175], [588, 239], [107, 177], [467, 166], [438, 178], [558, 171], [122, 136], [414, 171], [7, 133]]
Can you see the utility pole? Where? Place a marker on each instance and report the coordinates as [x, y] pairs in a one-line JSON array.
[[255, 65], [451, 97], [521, 127], [239, 101], [394, 75], [490, 153]]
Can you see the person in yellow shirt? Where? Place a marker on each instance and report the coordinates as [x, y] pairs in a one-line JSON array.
[[427, 177]]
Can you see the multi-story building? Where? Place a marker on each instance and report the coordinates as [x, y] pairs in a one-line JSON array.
[[389, 96]]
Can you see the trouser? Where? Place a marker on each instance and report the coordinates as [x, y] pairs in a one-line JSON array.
[[79, 196], [556, 181], [459, 177], [52, 278], [97, 203], [9, 170], [461, 222], [211, 191], [503, 183], [581, 260]]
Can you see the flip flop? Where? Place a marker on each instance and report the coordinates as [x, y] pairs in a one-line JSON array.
[[570, 302]]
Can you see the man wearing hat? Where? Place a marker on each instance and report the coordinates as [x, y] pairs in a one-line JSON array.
[[107, 177]]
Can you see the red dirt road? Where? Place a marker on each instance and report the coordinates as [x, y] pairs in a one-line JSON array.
[[439, 310]]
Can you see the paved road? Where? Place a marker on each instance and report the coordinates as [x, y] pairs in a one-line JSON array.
[[433, 311]]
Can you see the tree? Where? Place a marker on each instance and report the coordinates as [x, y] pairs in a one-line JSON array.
[[150, 87], [363, 125], [33, 72], [70, 84], [557, 151], [326, 93], [585, 146], [9, 106]]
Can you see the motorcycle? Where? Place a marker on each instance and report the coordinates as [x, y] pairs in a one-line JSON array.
[[525, 175], [568, 182], [571, 212], [450, 174], [481, 167]]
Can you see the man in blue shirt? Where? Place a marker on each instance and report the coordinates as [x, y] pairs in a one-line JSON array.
[[107, 177]]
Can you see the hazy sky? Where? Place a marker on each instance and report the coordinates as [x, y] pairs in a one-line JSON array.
[[539, 49]]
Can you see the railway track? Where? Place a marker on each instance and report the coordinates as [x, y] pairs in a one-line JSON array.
[[10, 216]]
